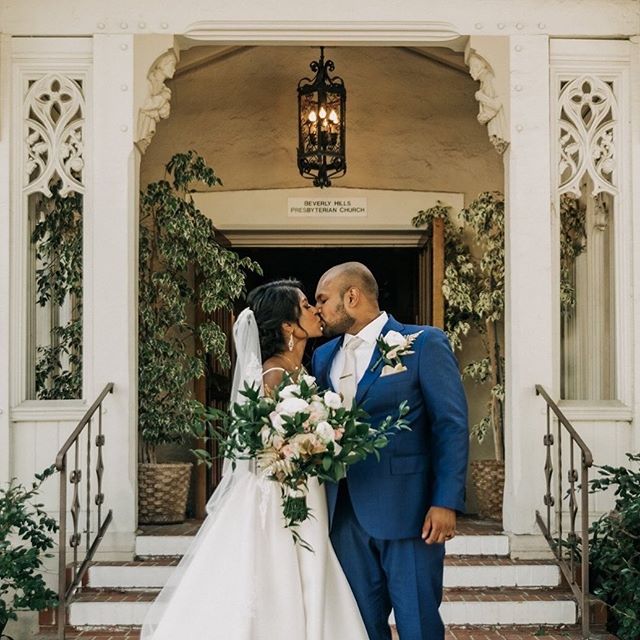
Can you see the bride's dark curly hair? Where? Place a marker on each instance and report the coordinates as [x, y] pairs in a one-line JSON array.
[[272, 304]]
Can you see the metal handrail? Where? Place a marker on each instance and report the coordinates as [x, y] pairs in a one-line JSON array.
[[66, 593], [566, 561]]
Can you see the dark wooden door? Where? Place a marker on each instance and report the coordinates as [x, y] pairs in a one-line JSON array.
[[431, 276]]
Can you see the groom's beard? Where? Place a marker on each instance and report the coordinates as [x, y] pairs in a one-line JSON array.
[[340, 325]]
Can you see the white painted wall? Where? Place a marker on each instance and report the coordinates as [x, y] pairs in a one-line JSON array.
[[411, 121], [289, 20], [5, 252]]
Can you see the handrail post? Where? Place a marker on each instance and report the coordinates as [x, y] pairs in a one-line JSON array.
[[586, 609], [62, 551]]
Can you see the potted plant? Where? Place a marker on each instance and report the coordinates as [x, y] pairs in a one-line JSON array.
[[25, 539], [181, 266], [473, 288]]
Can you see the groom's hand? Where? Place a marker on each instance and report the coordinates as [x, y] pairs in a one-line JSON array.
[[439, 525]]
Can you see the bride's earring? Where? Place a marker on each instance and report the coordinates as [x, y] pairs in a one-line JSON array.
[[290, 343]]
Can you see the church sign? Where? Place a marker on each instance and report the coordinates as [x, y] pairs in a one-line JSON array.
[[327, 207]]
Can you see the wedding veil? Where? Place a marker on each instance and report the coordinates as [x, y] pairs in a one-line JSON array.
[[247, 371]]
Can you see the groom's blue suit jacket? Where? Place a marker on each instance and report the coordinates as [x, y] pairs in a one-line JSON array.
[[423, 467]]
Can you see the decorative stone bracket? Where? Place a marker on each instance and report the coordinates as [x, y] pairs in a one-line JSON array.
[[156, 105], [492, 109]]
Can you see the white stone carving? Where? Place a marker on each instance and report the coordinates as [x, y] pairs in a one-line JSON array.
[[157, 104], [491, 112], [587, 135], [54, 110]]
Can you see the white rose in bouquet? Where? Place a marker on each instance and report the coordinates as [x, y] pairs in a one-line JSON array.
[[325, 432], [318, 412], [291, 406], [332, 400], [290, 391]]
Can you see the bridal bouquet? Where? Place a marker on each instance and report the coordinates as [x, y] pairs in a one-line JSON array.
[[297, 433]]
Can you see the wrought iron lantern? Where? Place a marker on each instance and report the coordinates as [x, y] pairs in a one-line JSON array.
[[321, 124]]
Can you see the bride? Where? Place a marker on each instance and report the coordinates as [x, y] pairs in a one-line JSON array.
[[243, 578]]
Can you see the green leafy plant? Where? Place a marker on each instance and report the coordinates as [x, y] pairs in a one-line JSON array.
[[573, 242], [57, 239], [25, 539], [473, 288], [474, 291], [181, 266], [615, 548]]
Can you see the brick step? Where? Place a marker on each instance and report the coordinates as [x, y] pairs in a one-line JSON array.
[[460, 571], [453, 633], [544, 632], [97, 608]]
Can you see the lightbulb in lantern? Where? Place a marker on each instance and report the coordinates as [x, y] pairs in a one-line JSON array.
[[322, 112], [313, 117], [333, 116]]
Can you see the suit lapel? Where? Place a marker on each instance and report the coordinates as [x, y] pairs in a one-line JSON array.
[[370, 376]]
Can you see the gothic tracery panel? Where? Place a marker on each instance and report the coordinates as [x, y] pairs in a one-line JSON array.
[[587, 135], [54, 121]]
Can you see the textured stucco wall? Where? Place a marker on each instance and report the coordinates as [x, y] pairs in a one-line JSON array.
[[411, 121]]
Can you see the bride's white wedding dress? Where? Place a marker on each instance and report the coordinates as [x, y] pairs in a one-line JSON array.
[[244, 578]]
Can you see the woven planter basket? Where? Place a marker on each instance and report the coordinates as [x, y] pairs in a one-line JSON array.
[[162, 492], [488, 480]]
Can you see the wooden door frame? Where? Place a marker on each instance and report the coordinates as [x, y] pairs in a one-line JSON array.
[[430, 241]]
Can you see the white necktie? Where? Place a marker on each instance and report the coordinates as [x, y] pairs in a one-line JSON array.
[[348, 383]]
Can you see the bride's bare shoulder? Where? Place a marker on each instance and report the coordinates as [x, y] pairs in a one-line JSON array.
[[272, 373]]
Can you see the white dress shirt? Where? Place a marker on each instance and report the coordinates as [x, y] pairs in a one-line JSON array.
[[363, 353]]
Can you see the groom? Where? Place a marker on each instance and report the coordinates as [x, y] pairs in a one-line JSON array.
[[389, 519]]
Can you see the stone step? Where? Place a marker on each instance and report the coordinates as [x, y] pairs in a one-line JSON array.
[[98, 608], [504, 606], [475, 538], [151, 546], [460, 571]]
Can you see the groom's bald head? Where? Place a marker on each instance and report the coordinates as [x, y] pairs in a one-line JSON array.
[[347, 298], [352, 274]]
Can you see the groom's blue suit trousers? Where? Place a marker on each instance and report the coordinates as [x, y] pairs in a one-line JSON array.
[[405, 575]]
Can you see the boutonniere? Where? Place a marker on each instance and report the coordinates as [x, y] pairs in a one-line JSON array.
[[393, 347]]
